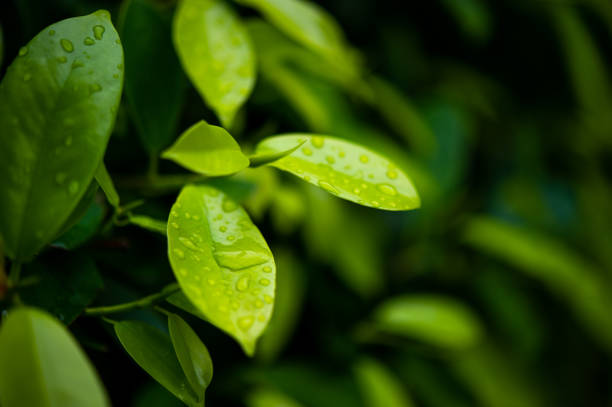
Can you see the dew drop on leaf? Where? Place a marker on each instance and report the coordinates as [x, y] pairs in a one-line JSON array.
[[245, 323], [387, 189], [23, 51], [88, 41], [98, 31], [67, 45], [242, 284]]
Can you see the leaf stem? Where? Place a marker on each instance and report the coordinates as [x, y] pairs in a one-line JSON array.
[[140, 303]]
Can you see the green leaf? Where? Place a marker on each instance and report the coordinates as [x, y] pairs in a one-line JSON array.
[[263, 397], [433, 319], [308, 24], [155, 98], [192, 354], [379, 386], [180, 301], [216, 53], [257, 160], [42, 365], [58, 101], [208, 150], [222, 262], [346, 170], [148, 223], [106, 183], [84, 229], [63, 287], [153, 351]]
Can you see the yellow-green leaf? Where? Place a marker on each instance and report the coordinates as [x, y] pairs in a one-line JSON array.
[[208, 150], [346, 170], [222, 262], [216, 52]]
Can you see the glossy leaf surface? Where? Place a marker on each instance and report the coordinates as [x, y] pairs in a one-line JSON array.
[[216, 53], [153, 351], [222, 262], [57, 109], [192, 354], [154, 81], [208, 150], [436, 320], [267, 158], [346, 170], [42, 365]]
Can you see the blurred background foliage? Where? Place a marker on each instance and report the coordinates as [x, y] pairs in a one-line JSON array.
[[497, 292]]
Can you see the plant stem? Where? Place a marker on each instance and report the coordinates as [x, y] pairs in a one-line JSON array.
[[152, 172], [141, 303]]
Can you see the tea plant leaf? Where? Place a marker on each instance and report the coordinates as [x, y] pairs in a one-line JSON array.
[[346, 170], [155, 98], [208, 150], [84, 229], [216, 53], [153, 352], [106, 183], [222, 262], [379, 386], [42, 365], [433, 319], [57, 108], [257, 160], [180, 301], [148, 223], [308, 24], [192, 354]]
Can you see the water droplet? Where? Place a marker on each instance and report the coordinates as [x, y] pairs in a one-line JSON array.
[[229, 205], [231, 238], [330, 159], [68, 141], [268, 299], [73, 188], [341, 154], [67, 45], [117, 41], [222, 228], [392, 174], [187, 215], [267, 269], [175, 225], [23, 51], [306, 151], [94, 87], [116, 76], [77, 64], [387, 189], [27, 77], [242, 284], [328, 187], [98, 31], [62, 59], [60, 177], [235, 305], [317, 141], [245, 323], [364, 158], [375, 204], [179, 253], [89, 41], [211, 281], [306, 178], [264, 282], [51, 32], [183, 272], [356, 191], [120, 66], [196, 217], [259, 304], [189, 244]]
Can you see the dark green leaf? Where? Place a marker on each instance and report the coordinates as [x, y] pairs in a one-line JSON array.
[[106, 183], [83, 230]]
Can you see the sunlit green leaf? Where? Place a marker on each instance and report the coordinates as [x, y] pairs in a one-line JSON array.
[[378, 385], [269, 398], [154, 81], [208, 150], [267, 158], [565, 273], [192, 354], [180, 301], [222, 262], [346, 170], [216, 53], [433, 319], [42, 365], [106, 183], [149, 223], [153, 351], [57, 109]]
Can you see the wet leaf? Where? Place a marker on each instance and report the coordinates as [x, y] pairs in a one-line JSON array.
[[57, 108], [208, 150], [153, 351], [192, 354], [346, 170], [42, 365], [216, 53], [258, 160], [222, 262]]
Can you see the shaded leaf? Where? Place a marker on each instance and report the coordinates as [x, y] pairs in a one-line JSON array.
[[263, 397], [106, 183], [222, 262], [208, 150], [57, 110], [42, 365], [216, 52], [378, 385], [346, 170], [83, 230]]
